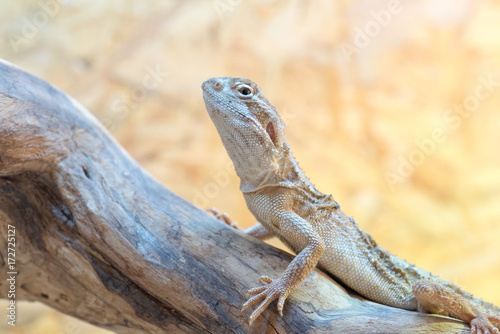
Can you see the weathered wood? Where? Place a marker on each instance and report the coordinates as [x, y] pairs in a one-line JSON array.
[[98, 238]]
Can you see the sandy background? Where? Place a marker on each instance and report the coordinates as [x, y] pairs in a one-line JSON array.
[[391, 106]]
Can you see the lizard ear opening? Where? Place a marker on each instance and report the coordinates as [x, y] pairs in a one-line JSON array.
[[270, 131]]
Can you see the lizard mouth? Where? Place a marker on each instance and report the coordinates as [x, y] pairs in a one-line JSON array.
[[209, 93], [214, 105]]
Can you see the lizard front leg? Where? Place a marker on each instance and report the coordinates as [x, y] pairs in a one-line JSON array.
[[257, 230], [435, 298], [298, 230]]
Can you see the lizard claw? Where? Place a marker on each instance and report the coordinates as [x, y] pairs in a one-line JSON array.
[[274, 289], [223, 217]]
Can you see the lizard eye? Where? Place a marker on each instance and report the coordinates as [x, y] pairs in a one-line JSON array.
[[245, 91]]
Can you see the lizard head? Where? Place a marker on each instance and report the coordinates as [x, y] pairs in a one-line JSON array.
[[250, 128]]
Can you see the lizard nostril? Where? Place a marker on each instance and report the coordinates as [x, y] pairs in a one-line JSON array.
[[217, 85]]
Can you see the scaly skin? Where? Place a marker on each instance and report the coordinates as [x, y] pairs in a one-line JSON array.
[[287, 205]]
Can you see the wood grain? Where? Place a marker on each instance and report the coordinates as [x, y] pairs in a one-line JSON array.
[[100, 239]]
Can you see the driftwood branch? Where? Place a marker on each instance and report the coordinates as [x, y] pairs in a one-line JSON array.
[[96, 237]]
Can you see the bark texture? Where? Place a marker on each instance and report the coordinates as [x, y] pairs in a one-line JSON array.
[[98, 238]]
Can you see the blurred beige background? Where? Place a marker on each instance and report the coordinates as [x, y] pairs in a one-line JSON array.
[[391, 106]]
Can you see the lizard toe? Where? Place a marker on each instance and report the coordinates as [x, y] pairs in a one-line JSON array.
[[256, 290], [281, 303], [265, 279], [268, 299], [253, 300], [481, 325], [222, 217], [495, 320]]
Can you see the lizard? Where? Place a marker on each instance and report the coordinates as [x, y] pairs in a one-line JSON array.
[[287, 205]]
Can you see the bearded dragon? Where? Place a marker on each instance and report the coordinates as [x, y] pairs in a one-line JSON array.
[[288, 206]]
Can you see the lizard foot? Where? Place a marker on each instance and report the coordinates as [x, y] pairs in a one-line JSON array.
[[433, 297], [274, 289], [223, 217], [482, 325]]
